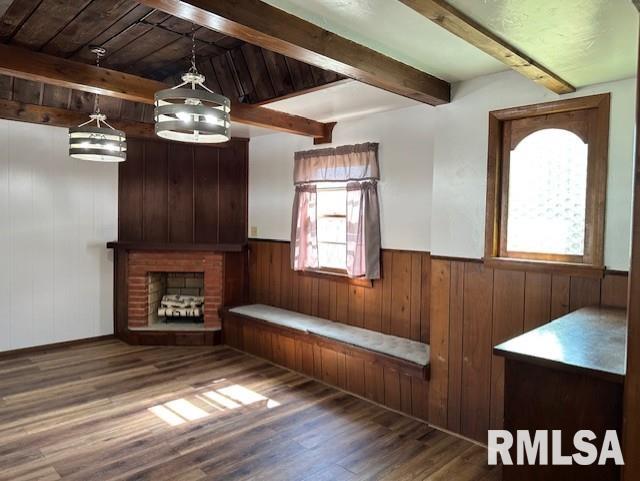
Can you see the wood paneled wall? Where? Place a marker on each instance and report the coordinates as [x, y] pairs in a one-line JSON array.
[[398, 304], [183, 193], [460, 307]]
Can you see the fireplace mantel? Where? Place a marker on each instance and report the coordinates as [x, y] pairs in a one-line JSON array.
[[167, 246]]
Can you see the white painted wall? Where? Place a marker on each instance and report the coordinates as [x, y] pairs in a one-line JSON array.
[[406, 145], [56, 213], [433, 168], [460, 161]]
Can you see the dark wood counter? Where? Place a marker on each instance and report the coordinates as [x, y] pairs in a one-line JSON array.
[[591, 340], [567, 375]]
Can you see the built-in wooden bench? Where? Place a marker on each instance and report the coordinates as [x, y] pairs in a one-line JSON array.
[[404, 355]]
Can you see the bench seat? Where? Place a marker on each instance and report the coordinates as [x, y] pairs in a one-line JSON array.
[[407, 350]]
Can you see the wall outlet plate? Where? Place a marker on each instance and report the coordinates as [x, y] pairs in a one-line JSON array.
[[254, 231]]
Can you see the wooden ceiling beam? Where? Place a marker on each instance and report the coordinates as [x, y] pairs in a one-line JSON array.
[[4, 6], [260, 24], [451, 19], [40, 67], [39, 114]]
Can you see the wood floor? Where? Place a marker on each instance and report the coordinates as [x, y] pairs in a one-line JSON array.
[[105, 410]]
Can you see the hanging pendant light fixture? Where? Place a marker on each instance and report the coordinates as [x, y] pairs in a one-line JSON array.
[[190, 112], [99, 143]]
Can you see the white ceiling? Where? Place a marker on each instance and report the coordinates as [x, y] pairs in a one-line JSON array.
[[584, 41], [392, 28], [342, 101]]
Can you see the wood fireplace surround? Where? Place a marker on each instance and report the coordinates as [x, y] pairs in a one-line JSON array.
[[181, 208]]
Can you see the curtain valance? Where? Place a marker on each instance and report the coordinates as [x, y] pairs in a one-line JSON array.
[[339, 164]]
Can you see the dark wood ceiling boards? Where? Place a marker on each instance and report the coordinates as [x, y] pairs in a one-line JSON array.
[[148, 43]]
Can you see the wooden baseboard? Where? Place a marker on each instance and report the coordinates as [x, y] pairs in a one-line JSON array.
[[55, 345]]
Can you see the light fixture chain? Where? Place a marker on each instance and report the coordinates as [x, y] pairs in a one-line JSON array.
[[96, 102], [193, 47]]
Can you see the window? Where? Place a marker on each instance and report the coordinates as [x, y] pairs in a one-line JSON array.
[[547, 181], [332, 226], [335, 221]]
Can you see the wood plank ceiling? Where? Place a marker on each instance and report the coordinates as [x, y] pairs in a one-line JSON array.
[[148, 43]]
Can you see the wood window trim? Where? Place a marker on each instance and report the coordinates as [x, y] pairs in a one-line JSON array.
[[593, 263]]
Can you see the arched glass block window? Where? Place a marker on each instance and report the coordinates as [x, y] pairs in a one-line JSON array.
[[548, 193], [547, 175]]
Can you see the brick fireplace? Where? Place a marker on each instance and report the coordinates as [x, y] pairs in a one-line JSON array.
[[176, 272]]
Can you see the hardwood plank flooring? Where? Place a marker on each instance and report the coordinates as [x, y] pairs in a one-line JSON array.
[[104, 410]]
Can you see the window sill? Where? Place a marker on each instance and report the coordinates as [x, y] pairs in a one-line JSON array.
[[338, 277], [567, 268]]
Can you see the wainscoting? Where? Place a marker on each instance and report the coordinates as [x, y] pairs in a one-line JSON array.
[[460, 307]]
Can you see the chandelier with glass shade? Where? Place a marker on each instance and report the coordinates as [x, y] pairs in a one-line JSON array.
[[95, 139], [190, 112]]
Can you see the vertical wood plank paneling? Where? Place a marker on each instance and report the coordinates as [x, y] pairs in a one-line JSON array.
[[56, 213], [285, 276], [284, 351], [304, 294], [420, 398], [206, 194], [275, 273], [342, 302], [341, 359], [614, 290], [183, 193], [401, 295], [304, 357], [465, 308], [295, 288], [333, 296], [130, 190], [425, 298], [355, 375], [317, 361], [233, 168], [439, 327], [560, 288], [508, 322], [263, 257], [374, 382], [456, 310], [537, 300], [392, 395], [416, 296], [373, 307], [476, 365], [253, 271], [387, 274], [314, 297], [323, 298], [406, 394], [356, 306], [180, 193], [155, 184], [585, 291], [5, 237]]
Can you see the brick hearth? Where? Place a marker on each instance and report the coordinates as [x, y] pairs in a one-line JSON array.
[[142, 263]]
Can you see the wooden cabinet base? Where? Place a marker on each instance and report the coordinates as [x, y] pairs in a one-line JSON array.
[[537, 397]]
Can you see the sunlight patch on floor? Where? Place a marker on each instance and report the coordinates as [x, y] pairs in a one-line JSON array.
[[180, 411]]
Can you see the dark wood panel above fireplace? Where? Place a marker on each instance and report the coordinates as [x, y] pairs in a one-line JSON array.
[[183, 193]]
